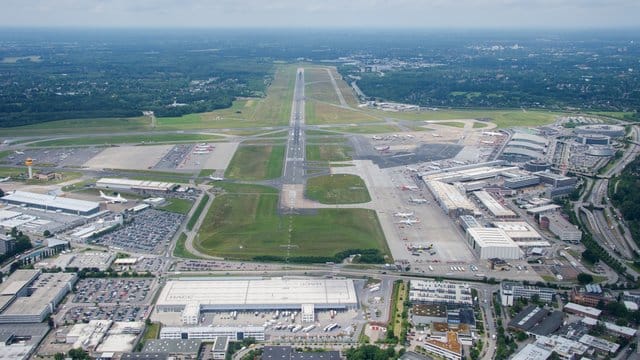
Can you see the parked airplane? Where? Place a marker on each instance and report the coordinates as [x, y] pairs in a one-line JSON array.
[[215, 178], [409, 221], [5, 179], [19, 152], [382, 148], [491, 133], [412, 169], [409, 187], [113, 199], [403, 214], [376, 137], [435, 135], [418, 200]]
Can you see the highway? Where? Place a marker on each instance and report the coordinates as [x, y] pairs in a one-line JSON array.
[[620, 246], [293, 172]]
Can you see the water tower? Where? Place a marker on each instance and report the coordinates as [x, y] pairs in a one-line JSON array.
[[29, 163]]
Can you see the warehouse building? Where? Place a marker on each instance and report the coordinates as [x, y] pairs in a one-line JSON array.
[[522, 233], [193, 296], [451, 200], [521, 181], [532, 352], [493, 206], [556, 180], [562, 228], [135, 185], [489, 243], [233, 333], [435, 292], [51, 203], [468, 221], [29, 296], [581, 310]]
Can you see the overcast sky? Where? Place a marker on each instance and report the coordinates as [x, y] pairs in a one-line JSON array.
[[323, 13]]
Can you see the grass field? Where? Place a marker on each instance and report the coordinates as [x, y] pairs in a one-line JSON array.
[[337, 189], [328, 153], [245, 223], [317, 113], [180, 206], [83, 126], [502, 118], [479, 125], [367, 129], [456, 124], [196, 214], [256, 163], [180, 250], [127, 139], [318, 86]]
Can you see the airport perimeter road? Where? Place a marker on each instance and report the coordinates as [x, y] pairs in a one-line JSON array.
[[343, 103], [293, 172]]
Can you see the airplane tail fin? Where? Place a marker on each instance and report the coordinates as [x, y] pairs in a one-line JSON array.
[[102, 194]]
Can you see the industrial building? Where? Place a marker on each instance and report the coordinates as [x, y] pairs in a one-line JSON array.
[[491, 243], [434, 292], [607, 130], [509, 291], [556, 180], [522, 233], [521, 181], [29, 296], [193, 296], [617, 330], [233, 333], [451, 200], [578, 309], [537, 321], [465, 173], [493, 206], [51, 203], [562, 228], [532, 352], [468, 221], [135, 185], [599, 344], [289, 353]]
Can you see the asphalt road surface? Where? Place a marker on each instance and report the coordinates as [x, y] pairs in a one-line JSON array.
[[293, 172]]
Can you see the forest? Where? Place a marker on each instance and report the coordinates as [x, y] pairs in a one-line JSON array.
[[625, 196]]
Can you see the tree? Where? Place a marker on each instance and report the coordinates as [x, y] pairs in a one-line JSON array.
[[584, 278], [590, 256], [46, 233]]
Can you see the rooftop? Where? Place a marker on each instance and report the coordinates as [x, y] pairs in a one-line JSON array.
[[257, 292], [492, 205], [491, 237], [518, 230], [583, 309], [532, 352], [54, 202], [171, 346]]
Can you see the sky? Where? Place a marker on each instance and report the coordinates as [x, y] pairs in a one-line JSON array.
[[464, 14]]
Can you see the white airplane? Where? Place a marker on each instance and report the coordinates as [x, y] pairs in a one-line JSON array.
[[18, 152], [403, 214], [412, 169], [409, 221], [409, 187], [375, 137], [5, 179], [491, 133], [113, 199], [418, 200], [215, 178], [435, 135]]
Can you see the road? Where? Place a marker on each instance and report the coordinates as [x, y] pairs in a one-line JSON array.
[[293, 172], [621, 247]]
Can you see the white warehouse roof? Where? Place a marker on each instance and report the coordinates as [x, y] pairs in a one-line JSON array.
[[50, 201], [493, 206], [259, 293], [134, 184], [493, 243]]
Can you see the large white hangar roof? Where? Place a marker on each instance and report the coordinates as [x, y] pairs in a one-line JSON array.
[[259, 293], [50, 201]]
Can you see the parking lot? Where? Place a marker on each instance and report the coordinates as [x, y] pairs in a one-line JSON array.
[[112, 290], [212, 265], [116, 313], [150, 232], [174, 157]]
